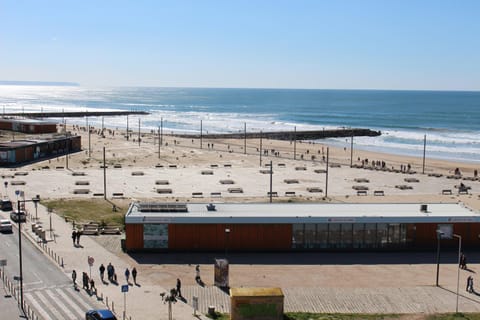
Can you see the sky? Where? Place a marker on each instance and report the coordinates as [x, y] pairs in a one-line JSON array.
[[385, 44]]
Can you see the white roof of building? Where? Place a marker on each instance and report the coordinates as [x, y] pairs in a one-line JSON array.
[[139, 212]]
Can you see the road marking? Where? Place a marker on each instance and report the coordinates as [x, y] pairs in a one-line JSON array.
[[78, 299], [51, 307], [69, 301], [62, 306], [38, 308]]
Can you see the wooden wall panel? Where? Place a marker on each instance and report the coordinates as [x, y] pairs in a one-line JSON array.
[[242, 237], [134, 236]]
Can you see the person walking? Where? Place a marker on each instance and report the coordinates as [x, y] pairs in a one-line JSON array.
[[197, 273], [127, 275], [92, 287], [110, 271], [74, 236], [74, 278], [102, 271], [179, 288], [79, 233], [85, 281], [469, 284], [134, 275]]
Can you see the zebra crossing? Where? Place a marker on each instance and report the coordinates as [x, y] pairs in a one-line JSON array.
[[59, 302]]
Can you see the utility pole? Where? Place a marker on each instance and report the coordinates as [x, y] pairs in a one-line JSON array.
[[424, 149], [351, 151], [244, 138], [295, 143], [139, 136], [271, 180], [127, 127], [261, 135], [159, 143], [326, 178], [104, 176], [201, 131]]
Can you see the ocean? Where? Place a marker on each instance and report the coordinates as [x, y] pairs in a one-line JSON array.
[[450, 120]]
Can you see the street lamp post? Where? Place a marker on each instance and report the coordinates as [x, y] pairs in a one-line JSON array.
[[458, 265], [19, 221], [227, 232], [439, 237]]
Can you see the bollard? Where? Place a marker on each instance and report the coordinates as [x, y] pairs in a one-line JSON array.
[[55, 256], [62, 264], [106, 302], [113, 307]]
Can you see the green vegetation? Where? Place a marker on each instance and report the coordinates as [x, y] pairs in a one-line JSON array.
[[83, 211]]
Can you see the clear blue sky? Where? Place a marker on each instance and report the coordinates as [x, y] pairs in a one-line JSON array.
[[385, 44]]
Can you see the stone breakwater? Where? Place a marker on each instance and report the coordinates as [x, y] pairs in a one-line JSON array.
[[291, 135]]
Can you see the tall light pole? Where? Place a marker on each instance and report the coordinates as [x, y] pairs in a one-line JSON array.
[[458, 265], [19, 221], [227, 232], [439, 237]]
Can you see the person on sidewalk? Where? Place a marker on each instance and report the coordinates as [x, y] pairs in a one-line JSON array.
[[102, 272], [74, 236], [134, 275], [74, 278], [85, 281], [127, 275], [110, 271], [92, 287], [469, 284], [179, 288], [197, 273], [79, 233]]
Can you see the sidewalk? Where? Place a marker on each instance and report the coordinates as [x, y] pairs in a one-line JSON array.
[[143, 301]]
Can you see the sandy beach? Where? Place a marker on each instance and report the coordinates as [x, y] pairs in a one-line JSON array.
[[135, 171]]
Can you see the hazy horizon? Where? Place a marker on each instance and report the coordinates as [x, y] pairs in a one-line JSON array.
[[351, 45]]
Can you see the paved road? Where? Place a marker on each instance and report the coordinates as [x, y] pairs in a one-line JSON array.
[[46, 288]]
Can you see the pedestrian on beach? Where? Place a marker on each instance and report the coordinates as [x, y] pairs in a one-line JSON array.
[[102, 271], [179, 288], [127, 274], [74, 236], [134, 275], [79, 233]]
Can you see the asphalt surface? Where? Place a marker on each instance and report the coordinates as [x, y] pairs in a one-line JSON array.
[[47, 289]]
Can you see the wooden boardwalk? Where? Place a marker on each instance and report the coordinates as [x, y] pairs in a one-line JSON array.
[[410, 300]]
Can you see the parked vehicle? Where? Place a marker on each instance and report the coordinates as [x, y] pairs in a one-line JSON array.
[[6, 205], [102, 314], [5, 225], [15, 216]]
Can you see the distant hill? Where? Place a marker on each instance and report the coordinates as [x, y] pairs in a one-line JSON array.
[[37, 83]]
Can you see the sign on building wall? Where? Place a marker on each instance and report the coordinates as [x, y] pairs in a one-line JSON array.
[[155, 236]]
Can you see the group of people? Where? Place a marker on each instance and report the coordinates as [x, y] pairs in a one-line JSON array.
[[112, 276], [76, 237], [87, 282]]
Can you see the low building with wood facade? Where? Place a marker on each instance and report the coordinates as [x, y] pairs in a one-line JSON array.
[[18, 152], [30, 126], [297, 226]]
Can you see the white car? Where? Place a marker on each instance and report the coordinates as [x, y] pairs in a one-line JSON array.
[[5, 225]]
